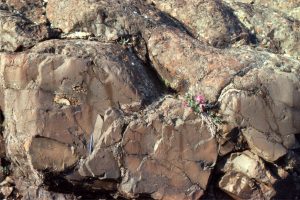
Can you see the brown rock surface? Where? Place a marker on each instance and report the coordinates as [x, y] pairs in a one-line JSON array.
[[273, 30], [48, 154], [169, 153], [242, 173], [107, 20], [239, 186], [2, 146], [62, 92], [195, 67], [272, 109], [100, 111], [17, 32], [289, 7], [209, 20], [33, 9]]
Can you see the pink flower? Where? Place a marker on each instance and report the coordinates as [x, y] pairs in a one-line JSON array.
[[200, 99]]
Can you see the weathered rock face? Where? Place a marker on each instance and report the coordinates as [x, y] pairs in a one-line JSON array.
[[107, 20], [218, 29], [272, 110], [59, 91], [33, 10], [169, 154], [288, 7], [17, 32], [132, 99], [242, 171], [195, 67], [275, 32]]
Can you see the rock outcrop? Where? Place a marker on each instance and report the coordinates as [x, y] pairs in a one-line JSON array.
[[157, 99]]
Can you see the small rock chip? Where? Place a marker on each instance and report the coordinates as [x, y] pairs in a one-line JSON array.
[[6, 191]]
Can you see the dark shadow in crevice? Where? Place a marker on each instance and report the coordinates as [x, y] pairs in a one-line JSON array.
[[56, 183], [163, 89], [212, 191], [287, 188]]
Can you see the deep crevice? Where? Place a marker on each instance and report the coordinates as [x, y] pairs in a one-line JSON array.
[[58, 184], [154, 75]]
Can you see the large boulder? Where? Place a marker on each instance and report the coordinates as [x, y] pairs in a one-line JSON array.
[[57, 90], [168, 153], [268, 113], [133, 99]]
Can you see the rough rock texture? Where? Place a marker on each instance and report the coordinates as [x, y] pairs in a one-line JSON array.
[[17, 32], [195, 67], [169, 154], [107, 20], [34, 10], [61, 90], [288, 7], [2, 148], [273, 30], [242, 173], [156, 99], [218, 29]]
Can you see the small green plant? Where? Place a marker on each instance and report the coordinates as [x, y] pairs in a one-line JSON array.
[[199, 105], [167, 83], [124, 41], [5, 170]]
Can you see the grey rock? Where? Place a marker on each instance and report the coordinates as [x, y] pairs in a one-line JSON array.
[[17, 32]]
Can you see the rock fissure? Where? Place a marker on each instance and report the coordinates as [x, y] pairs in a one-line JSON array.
[[93, 99]]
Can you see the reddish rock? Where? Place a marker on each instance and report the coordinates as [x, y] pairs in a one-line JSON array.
[[58, 91], [208, 20], [195, 67], [169, 153]]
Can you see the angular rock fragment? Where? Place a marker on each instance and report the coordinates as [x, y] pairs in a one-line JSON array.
[[251, 165], [247, 174], [239, 186], [17, 32], [103, 161], [271, 111], [6, 191], [168, 153], [264, 145], [48, 154]]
